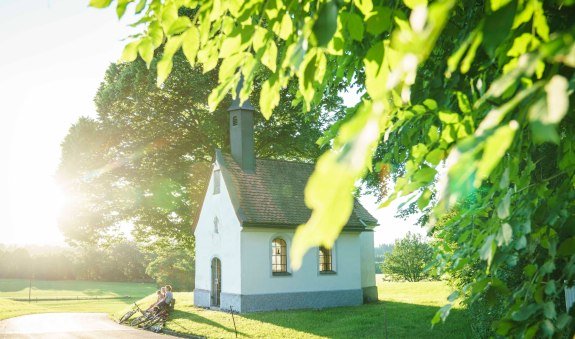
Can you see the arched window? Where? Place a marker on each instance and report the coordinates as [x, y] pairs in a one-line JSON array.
[[325, 260], [279, 256], [216, 225]]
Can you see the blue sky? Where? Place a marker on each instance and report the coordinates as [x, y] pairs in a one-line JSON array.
[[54, 55]]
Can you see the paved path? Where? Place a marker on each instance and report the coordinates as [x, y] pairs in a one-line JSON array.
[[69, 325]]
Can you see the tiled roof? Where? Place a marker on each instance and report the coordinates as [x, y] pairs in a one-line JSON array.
[[273, 195]]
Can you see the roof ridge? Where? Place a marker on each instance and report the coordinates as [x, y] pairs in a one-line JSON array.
[[282, 160]]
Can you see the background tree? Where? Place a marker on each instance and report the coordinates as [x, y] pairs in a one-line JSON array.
[[145, 160], [173, 266], [121, 262], [410, 259]]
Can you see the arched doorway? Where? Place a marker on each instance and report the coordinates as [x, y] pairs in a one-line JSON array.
[[216, 281]]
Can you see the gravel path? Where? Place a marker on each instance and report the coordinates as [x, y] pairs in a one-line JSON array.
[[69, 325]]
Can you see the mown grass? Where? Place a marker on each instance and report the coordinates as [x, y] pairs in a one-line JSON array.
[[18, 288], [404, 311], [9, 308], [67, 291]]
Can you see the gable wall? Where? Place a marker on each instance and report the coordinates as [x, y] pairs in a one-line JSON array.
[[224, 245]]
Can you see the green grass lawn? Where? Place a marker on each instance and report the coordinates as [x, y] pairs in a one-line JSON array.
[[404, 310], [16, 288]]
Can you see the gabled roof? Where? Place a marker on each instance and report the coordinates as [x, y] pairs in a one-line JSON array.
[[273, 195]]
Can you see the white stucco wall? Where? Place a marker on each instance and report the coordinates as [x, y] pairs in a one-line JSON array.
[[225, 244], [257, 277], [367, 260]]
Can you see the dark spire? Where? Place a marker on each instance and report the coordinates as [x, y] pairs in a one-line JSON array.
[[242, 132]]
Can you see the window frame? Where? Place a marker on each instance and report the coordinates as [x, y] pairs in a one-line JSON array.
[[326, 267], [283, 256]]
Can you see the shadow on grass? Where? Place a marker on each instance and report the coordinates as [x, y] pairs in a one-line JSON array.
[[378, 320], [193, 317]]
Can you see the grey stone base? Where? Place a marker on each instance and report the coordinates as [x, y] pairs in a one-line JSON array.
[[370, 294], [299, 300], [201, 298], [283, 301], [228, 300]]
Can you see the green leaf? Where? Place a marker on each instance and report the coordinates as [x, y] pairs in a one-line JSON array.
[[286, 27], [463, 102], [164, 68], [231, 45], [544, 133], [567, 247], [218, 94], [173, 45], [497, 26], [326, 23], [495, 147], [550, 287], [448, 118], [557, 99], [191, 44], [487, 251], [503, 207], [379, 20], [365, 6], [146, 50], [180, 25], [270, 56], [121, 7], [100, 3], [414, 3], [435, 156], [156, 34], [453, 296], [497, 4], [470, 56], [423, 201], [355, 27], [169, 14], [140, 6], [563, 320], [270, 96], [525, 312], [375, 71], [418, 151], [425, 175], [540, 22], [548, 328], [433, 133], [130, 52], [506, 235], [230, 65], [306, 78]]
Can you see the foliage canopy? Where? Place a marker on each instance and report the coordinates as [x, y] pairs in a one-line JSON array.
[[484, 88]]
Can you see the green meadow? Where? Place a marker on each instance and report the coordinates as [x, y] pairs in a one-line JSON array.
[[404, 310]]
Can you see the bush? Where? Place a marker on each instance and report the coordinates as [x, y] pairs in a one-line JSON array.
[[409, 259]]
